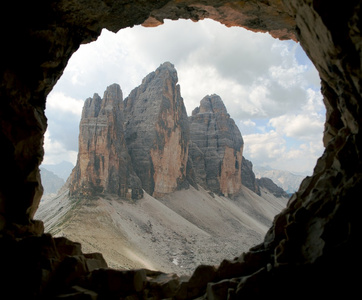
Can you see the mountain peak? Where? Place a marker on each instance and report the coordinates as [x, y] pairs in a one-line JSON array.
[[217, 147], [211, 104], [103, 164], [114, 91], [157, 131], [168, 70]]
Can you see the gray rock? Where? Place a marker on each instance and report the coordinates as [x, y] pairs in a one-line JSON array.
[[248, 177], [216, 147], [268, 184], [157, 132]]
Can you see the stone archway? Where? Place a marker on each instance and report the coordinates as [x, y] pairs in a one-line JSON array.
[[313, 242]]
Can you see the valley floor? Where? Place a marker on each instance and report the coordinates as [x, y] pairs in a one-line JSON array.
[[173, 234]]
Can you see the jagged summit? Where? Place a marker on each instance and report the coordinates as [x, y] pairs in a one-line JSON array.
[[157, 131], [211, 104], [164, 71], [147, 142], [216, 147], [103, 164]]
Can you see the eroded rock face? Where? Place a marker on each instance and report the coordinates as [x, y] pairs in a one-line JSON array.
[[248, 176], [103, 164], [217, 147], [157, 132], [268, 184]]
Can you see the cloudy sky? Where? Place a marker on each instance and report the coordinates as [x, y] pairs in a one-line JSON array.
[[269, 87]]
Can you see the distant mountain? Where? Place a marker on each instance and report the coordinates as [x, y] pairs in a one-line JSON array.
[[270, 186], [50, 181], [288, 181], [62, 169]]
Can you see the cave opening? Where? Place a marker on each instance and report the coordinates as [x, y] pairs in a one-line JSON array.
[[300, 253], [269, 87]]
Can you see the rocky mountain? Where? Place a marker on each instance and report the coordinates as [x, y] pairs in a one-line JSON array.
[[195, 192], [50, 181], [103, 164], [147, 142], [216, 147], [288, 181], [270, 186], [157, 132], [248, 178], [62, 169]]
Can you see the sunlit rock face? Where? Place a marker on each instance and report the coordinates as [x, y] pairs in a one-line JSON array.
[[103, 164], [312, 247], [217, 147], [157, 132]]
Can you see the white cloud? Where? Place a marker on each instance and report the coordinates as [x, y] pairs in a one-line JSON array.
[[264, 147], [63, 113], [272, 149], [308, 127], [57, 101], [56, 152]]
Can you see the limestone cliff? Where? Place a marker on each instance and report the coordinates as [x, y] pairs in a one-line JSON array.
[[157, 132], [248, 177], [103, 164], [216, 147]]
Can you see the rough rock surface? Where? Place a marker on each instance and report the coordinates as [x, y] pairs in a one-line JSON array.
[[216, 147], [248, 176], [268, 184], [103, 164], [157, 132], [313, 245]]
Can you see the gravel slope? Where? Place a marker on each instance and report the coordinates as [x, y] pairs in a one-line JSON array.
[[174, 234]]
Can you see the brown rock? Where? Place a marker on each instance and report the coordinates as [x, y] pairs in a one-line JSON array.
[[196, 285], [103, 164], [164, 285], [221, 290]]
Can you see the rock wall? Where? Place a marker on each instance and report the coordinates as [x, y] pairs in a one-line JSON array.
[[248, 176], [217, 147], [268, 184], [103, 164], [157, 132], [312, 247]]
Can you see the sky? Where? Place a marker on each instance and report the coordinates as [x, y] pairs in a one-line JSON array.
[[269, 87]]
